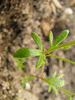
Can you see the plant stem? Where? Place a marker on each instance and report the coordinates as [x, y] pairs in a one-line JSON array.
[[44, 79], [64, 90], [49, 83], [59, 47], [60, 88], [61, 58], [42, 70], [27, 74]]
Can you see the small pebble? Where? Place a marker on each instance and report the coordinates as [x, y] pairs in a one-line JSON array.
[[27, 86], [68, 11]]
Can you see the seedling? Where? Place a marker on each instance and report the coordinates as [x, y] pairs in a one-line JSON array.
[[53, 81]]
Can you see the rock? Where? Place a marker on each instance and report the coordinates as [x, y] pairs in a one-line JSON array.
[[45, 28]]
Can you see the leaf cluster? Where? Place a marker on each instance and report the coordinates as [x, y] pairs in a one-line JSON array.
[[54, 81], [20, 63], [26, 79], [54, 45]]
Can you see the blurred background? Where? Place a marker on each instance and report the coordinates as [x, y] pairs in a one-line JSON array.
[[18, 18]]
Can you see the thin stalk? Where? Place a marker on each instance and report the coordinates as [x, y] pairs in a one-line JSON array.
[[60, 88], [61, 58], [59, 47], [27, 74], [63, 90], [42, 70], [51, 83]]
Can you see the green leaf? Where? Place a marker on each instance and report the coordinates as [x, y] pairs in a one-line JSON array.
[[59, 47], [23, 84], [61, 37], [59, 83], [51, 38], [54, 74], [70, 98], [29, 78], [50, 87], [44, 60], [37, 40], [55, 90], [23, 80], [59, 76], [53, 80], [20, 63], [39, 62], [22, 60], [66, 47], [50, 72], [27, 52]]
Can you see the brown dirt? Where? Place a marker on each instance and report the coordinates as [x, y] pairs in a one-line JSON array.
[[18, 18]]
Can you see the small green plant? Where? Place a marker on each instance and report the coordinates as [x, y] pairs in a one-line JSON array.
[[53, 81]]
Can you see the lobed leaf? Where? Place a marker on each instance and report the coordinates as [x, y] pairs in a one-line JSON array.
[[50, 87], [59, 83], [27, 52], [20, 63], [54, 74], [22, 60], [37, 40], [59, 76], [29, 78], [61, 37], [55, 90], [23, 80]]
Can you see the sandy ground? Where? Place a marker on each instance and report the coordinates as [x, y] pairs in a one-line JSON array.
[[18, 18]]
